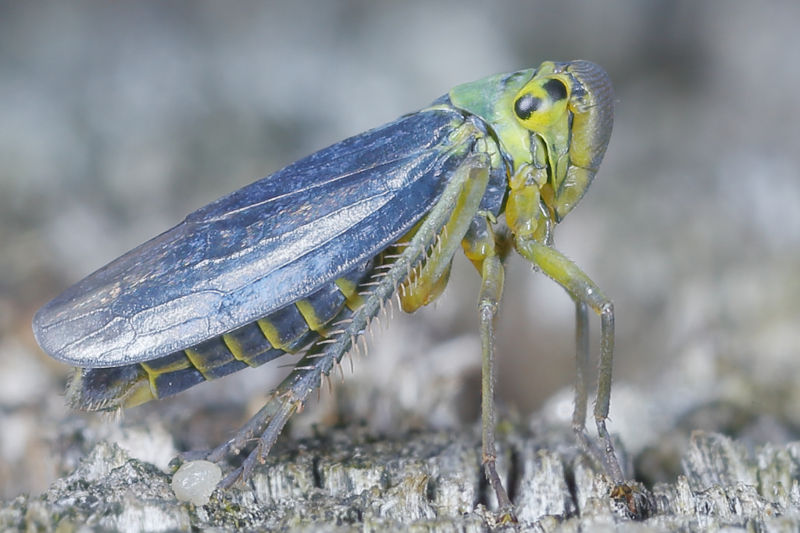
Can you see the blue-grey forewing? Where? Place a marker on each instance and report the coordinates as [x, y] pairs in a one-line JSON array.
[[257, 249]]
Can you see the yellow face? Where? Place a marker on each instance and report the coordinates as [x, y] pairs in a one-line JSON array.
[[541, 103], [568, 107]]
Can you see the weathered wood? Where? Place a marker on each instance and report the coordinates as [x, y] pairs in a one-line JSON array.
[[429, 481]]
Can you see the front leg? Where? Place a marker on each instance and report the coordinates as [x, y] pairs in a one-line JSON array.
[[585, 293]]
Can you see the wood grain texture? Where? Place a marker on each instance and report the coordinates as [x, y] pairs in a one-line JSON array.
[[429, 481]]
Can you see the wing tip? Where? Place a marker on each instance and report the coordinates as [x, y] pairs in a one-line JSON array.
[[41, 326], [57, 334]]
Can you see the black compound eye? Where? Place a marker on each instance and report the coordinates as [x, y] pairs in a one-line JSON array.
[[525, 105], [555, 89]]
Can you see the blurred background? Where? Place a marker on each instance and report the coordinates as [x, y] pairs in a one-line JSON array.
[[118, 119]]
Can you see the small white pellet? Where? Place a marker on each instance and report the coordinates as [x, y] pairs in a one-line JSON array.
[[194, 481]]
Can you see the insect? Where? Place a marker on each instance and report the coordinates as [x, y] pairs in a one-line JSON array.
[[303, 259]]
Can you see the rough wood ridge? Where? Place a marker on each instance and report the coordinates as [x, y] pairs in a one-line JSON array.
[[431, 481]]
